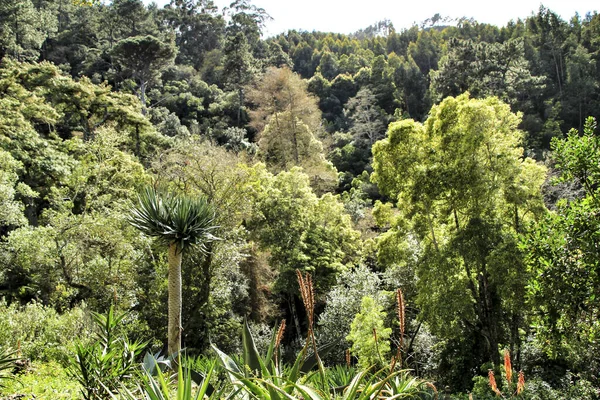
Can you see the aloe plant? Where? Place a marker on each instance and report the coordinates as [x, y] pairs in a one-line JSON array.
[[7, 363], [159, 386], [263, 377], [104, 365]]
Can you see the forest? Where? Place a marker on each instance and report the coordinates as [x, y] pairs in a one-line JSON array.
[[192, 210]]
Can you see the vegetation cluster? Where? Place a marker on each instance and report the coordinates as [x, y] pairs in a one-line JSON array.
[[191, 210]]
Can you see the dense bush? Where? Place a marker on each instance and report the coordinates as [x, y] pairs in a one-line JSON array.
[[40, 332]]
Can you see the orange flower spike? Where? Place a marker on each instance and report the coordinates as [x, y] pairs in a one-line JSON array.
[[280, 332], [521, 382], [493, 384], [507, 366]]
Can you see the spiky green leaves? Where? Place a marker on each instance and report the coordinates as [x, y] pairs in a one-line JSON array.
[[174, 218]]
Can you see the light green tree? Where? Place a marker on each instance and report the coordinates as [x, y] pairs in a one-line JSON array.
[[464, 191], [301, 231], [369, 336]]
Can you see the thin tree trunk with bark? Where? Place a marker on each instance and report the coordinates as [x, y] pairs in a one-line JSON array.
[[175, 301]]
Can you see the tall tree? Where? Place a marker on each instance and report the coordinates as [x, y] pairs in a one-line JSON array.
[[198, 27], [23, 29], [367, 119], [237, 67], [179, 222], [248, 19], [281, 90], [562, 255], [143, 58], [465, 191]]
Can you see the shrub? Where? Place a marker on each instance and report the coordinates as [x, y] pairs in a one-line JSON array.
[[103, 366], [40, 332], [369, 337]]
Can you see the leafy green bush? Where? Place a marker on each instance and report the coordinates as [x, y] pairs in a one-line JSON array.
[[42, 381], [342, 305], [40, 332]]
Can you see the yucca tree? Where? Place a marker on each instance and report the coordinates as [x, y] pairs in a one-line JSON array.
[[178, 222]]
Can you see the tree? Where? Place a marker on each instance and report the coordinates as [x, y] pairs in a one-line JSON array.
[[343, 303], [178, 221], [248, 19], [288, 120], [369, 336], [23, 29], [301, 231], [198, 27], [464, 191], [143, 58], [581, 87], [237, 67], [11, 210], [486, 69], [562, 255], [287, 142], [366, 117], [80, 248], [222, 178], [281, 90]]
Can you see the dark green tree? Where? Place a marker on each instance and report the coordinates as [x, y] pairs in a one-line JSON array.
[[198, 27], [237, 67], [143, 58], [23, 29]]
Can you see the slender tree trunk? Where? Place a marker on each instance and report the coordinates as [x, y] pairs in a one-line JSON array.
[[143, 97], [174, 303], [240, 105], [295, 318]]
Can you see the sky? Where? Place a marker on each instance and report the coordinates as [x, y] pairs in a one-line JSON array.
[[347, 16]]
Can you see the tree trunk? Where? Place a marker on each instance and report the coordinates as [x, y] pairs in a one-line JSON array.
[[143, 97], [240, 105], [174, 303], [295, 318]]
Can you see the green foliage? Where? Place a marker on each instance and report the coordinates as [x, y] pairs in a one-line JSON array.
[[25, 26], [143, 58], [464, 192], [7, 360], [265, 377], [343, 303], [104, 365], [287, 142], [173, 219], [562, 256], [11, 209], [369, 336], [302, 231], [43, 381], [41, 333], [161, 386]]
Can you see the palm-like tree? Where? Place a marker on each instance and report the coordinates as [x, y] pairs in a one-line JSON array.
[[179, 222]]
